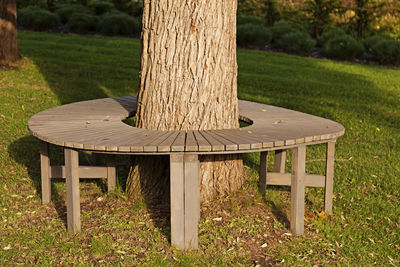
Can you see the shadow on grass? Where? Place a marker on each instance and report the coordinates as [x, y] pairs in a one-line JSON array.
[[76, 71], [25, 151], [19, 151]]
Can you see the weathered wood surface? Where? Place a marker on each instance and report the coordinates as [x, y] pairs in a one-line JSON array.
[[97, 125]]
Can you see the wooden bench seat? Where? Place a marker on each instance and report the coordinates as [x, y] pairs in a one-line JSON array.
[[97, 126]]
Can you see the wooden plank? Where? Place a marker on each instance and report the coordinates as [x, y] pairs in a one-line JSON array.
[[215, 144], [330, 165], [165, 146], [281, 137], [152, 145], [142, 141], [247, 135], [191, 143], [122, 139], [263, 172], [297, 190], [192, 200], [310, 180], [241, 138], [73, 198], [229, 145], [266, 139], [202, 143], [280, 161], [111, 173], [136, 141], [177, 187], [85, 172], [96, 137], [243, 144], [45, 172], [179, 143]]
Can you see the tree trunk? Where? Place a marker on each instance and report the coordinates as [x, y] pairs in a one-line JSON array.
[[188, 81], [8, 32]]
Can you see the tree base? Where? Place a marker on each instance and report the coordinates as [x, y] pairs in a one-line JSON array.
[[148, 178]]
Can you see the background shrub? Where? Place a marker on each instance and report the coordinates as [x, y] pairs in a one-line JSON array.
[[65, 12], [373, 40], [343, 47], [253, 35], [117, 23], [136, 9], [280, 29], [30, 3], [101, 7], [248, 19], [330, 34], [296, 42], [82, 23], [35, 18], [386, 51]]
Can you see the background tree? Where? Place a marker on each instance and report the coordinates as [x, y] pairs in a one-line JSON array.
[[251, 7], [271, 12], [319, 14], [366, 13], [188, 81], [8, 32]]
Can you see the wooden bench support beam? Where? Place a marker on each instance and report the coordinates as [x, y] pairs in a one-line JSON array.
[[330, 162], [111, 173], [192, 201], [73, 198], [85, 172], [280, 161], [185, 200], [45, 172], [263, 172], [297, 190], [312, 180]]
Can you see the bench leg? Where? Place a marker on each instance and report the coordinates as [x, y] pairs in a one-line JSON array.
[[73, 199], [263, 171], [330, 162], [45, 172], [111, 177], [297, 190], [280, 161], [185, 200]]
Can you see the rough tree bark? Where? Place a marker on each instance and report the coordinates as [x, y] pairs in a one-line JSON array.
[[188, 81], [8, 32]]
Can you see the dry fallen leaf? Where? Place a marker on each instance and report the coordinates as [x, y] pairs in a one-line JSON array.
[[309, 215], [322, 215]]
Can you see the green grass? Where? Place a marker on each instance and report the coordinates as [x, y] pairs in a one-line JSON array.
[[364, 228]]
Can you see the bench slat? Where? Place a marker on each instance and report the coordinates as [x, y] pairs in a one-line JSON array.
[[203, 144], [191, 143]]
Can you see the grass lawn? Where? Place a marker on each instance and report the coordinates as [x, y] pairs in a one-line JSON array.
[[241, 228]]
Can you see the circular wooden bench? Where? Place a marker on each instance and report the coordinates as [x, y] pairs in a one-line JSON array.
[[97, 126]]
